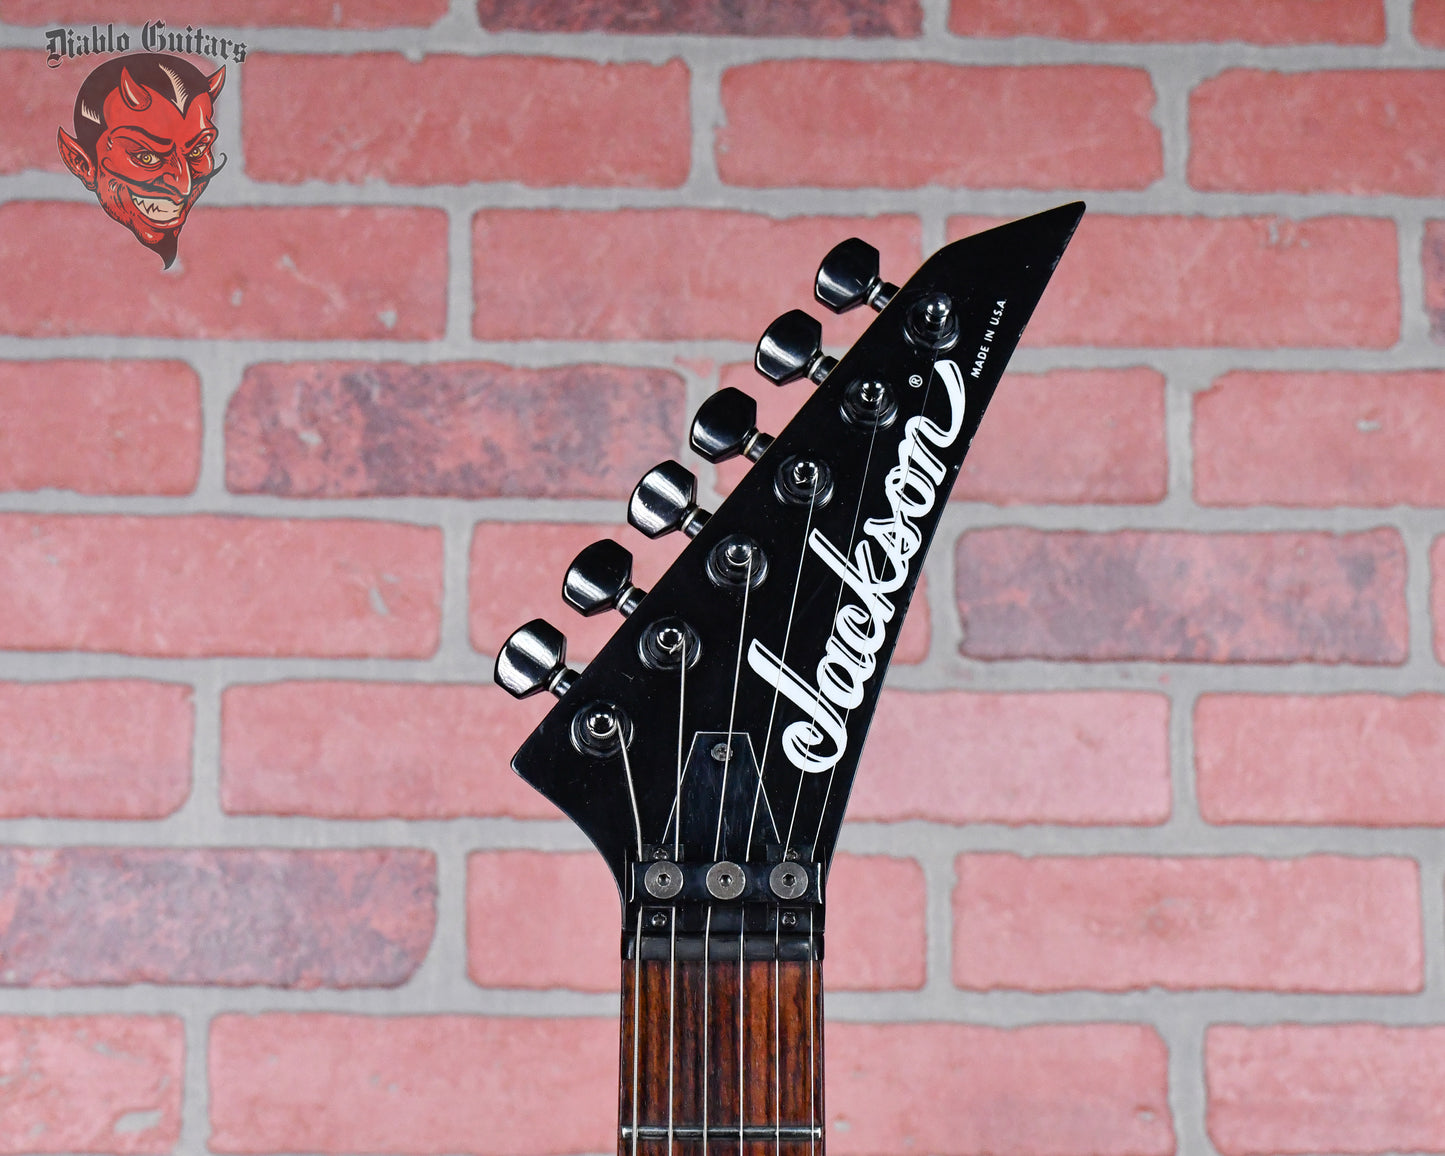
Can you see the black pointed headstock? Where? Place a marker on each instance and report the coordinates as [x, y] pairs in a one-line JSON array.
[[709, 749]]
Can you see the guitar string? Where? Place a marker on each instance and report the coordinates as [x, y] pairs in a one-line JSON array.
[[631, 790], [777, 1050], [773, 712], [742, 1061], [732, 710], [637, 943], [677, 858], [852, 532], [812, 1055], [636, 1020], [706, 1017], [671, 1022], [717, 841], [828, 789]]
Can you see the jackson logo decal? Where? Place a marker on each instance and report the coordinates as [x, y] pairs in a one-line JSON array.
[[144, 133]]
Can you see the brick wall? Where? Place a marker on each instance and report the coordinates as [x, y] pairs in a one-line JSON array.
[[1161, 869]]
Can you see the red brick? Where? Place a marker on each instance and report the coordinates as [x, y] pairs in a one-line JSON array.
[[964, 1090], [373, 750], [1142, 21], [1251, 282], [1319, 439], [100, 427], [707, 17], [1429, 25], [303, 919], [1437, 594], [1177, 597], [876, 922], [510, 945], [105, 1083], [661, 274], [203, 585], [1358, 760], [900, 124], [234, 13], [40, 102], [94, 750], [459, 429], [1126, 923], [1325, 1088], [305, 273], [1434, 261], [1318, 132], [1081, 435], [516, 575], [963, 757], [538, 121], [492, 1086]]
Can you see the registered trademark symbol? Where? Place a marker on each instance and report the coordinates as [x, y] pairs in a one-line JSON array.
[[915, 380]]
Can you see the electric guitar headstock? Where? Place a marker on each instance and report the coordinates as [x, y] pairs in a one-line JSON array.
[[709, 749]]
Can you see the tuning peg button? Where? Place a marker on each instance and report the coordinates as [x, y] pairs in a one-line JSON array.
[[600, 578], [848, 277], [534, 658], [792, 347], [726, 426], [664, 500]]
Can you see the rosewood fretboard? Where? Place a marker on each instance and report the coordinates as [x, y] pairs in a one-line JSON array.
[[705, 1050]]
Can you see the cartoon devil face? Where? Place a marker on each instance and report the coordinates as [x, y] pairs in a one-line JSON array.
[[143, 141]]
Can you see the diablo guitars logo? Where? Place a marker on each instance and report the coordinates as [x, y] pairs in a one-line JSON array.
[[144, 131]]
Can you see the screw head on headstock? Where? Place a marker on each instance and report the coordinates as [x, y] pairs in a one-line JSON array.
[[600, 578], [534, 658], [792, 347], [726, 426], [848, 277], [664, 500]]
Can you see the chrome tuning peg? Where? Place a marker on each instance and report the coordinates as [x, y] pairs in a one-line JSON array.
[[848, 277], [664, 500], [792, 347], [726, 426], [600, 578], [534, 658]]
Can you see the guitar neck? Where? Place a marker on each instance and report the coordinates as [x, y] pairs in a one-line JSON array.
[[719, 1057]]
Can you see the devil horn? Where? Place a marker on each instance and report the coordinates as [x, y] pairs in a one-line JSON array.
[[215, 81], [132, 93]]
